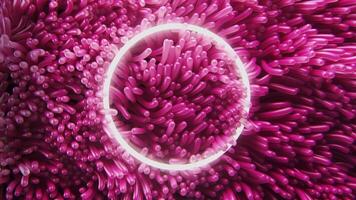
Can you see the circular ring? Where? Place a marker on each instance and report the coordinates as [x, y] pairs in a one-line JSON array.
[[111, 126]]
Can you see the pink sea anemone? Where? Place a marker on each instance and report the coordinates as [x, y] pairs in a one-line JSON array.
[[300, 140], [179, 96]]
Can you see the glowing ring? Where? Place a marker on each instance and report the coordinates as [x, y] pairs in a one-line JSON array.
[[111, 127]]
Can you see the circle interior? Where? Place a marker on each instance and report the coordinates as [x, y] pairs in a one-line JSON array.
[[121, 57]]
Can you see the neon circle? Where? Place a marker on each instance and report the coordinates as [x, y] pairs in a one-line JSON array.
[[111, 128]]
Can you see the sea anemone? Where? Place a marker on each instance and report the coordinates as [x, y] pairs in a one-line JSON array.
[[299, 141], [178, 95]]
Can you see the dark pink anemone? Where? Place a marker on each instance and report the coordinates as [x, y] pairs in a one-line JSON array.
[[300, 139], [178, 96]]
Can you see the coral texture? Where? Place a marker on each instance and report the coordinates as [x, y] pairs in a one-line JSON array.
[[300, 140]]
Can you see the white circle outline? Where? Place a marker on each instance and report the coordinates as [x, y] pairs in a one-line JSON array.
[[111, 126]]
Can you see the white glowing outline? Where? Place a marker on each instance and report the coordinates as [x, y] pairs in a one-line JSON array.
[[114, 132]]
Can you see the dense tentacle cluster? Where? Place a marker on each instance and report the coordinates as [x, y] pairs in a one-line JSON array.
[[300, 56], [178, 100]]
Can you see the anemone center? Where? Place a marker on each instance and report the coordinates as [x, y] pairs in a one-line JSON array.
[[182, 96]]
